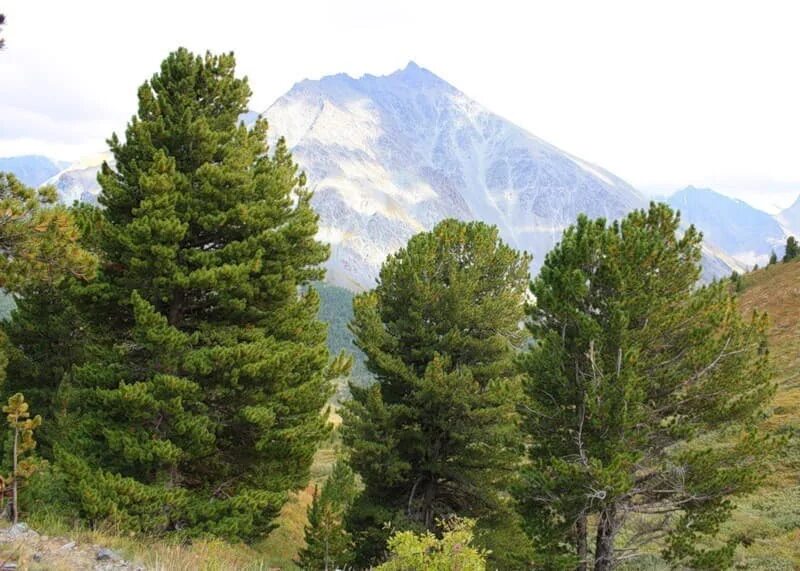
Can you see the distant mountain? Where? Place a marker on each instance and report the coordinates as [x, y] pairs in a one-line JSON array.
[[790, 218], [78, 182], [745, 233], [32, 170], [390, 156]]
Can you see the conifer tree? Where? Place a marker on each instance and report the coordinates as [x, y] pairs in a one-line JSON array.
[[631, 367], [47, 334], [773, 258], [437, 434], [792, 249], [736, 280], [328, 544], [39, 249], [201, 404]]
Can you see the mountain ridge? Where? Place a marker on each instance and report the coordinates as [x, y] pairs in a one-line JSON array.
[[744, 232], [389, 156]]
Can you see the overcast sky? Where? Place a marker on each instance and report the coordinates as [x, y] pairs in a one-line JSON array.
[[662, 94]]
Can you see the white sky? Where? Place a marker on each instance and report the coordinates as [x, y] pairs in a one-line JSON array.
[[663, 94]]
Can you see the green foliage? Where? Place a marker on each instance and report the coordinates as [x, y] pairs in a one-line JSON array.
[[40, 246], [425, 552], [197, 402], [632, 367], [438, 433], [22, 426], [773, 258], [47, 334], [792, 249], [104, 497], [328, 544], [511, 548], [40, 240]]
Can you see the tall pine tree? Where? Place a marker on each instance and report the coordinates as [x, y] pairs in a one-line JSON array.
[[632, 369], [437, 434], [202, 402]]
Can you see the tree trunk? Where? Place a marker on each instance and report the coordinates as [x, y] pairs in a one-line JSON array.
[[15, 507], [581, 547], [427, 504], [175, 314], [604, 546]]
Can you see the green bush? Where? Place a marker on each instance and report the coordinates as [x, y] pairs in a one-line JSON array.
[[425, 552]]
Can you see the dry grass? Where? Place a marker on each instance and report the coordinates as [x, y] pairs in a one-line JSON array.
[[276, 552], [769, 520]]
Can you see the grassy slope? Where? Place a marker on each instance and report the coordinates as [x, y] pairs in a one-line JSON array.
[[770, 519]]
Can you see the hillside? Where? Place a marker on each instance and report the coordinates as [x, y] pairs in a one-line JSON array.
[[769, 521], [336, 309]]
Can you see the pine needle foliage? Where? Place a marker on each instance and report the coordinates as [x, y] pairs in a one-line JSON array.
[[643, 391], [201, 402], [438, 434], [329, 545]]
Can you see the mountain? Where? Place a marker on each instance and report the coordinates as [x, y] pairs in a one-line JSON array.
[[79, 180], [32, 170], [390, 156], [790, 218], [745, 233]]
